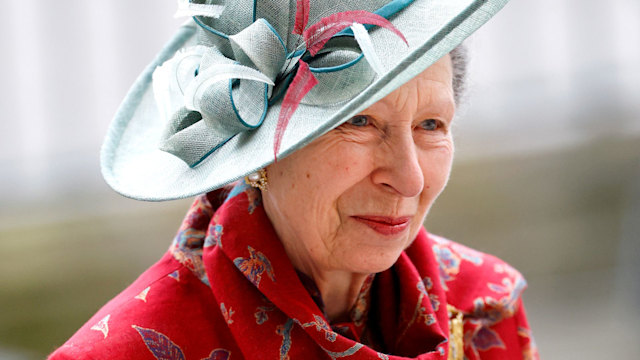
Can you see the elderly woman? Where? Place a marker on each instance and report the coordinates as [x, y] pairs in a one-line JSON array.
[[342, 133]]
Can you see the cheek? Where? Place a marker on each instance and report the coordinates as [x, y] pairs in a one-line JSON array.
[[289, 189], [339, 167], [441, 167], [307, 186], [436, 165]]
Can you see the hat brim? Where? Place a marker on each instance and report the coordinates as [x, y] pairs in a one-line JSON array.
[[133, 164]]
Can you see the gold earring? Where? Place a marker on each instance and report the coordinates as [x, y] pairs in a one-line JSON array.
[[257, 179]]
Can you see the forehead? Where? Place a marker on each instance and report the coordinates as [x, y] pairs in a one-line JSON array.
[[441, 71], [432, 88]]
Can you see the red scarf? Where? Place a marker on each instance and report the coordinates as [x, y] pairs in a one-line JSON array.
[[227, 290]]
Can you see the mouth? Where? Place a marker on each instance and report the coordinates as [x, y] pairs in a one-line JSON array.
[[384, 225]]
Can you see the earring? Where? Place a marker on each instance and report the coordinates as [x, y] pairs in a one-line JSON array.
[[257, 179]]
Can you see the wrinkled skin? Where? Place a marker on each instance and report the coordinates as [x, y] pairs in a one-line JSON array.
[[393, 159]]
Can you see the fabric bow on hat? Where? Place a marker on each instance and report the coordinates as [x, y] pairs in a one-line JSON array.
[[207, 97]]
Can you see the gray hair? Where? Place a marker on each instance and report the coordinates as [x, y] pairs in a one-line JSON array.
[[459, 62]]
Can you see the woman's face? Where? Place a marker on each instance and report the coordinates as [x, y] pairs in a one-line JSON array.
[[356, 197]]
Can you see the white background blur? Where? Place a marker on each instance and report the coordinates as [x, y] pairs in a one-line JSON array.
[[552, 116]]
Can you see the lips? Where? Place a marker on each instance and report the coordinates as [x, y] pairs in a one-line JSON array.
[[384, 225]]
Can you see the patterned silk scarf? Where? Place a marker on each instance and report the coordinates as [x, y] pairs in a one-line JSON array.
[[260, 294]]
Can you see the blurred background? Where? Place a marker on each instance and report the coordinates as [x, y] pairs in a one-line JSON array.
[[546, 176]]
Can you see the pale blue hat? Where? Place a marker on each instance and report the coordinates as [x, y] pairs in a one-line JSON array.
[[204, 113]]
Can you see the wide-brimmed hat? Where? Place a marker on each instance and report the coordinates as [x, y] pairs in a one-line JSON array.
[[244, 82]]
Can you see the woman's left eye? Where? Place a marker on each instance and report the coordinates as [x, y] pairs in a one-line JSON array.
[[430, 124]]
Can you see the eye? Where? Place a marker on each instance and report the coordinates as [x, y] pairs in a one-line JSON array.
[[430, 124], [359, 120]]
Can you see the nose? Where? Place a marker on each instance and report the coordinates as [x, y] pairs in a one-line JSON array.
[[398, 166]]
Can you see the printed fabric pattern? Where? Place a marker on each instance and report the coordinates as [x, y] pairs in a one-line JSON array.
[[226, 290]]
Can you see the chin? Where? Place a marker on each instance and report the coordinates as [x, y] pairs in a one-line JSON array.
[[373, 263]]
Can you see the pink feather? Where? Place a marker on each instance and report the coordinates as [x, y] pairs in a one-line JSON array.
[[319, 33], [299, 87], [302, 16]]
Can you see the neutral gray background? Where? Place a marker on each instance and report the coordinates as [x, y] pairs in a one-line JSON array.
[[547, 172]]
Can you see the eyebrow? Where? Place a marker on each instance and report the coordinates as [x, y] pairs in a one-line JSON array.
[[440, 105]]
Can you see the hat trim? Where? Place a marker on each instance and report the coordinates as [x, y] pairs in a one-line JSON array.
[[330, 69], [255, 9], [275, 33], [386, 11], [211, 151], [235, 110], [210, 29], [296, 53]]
